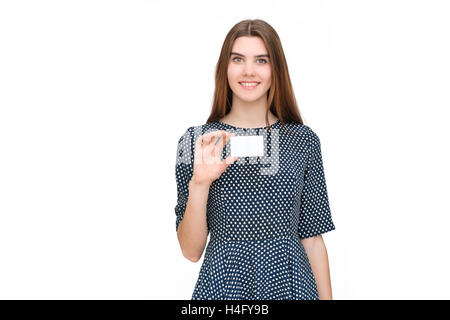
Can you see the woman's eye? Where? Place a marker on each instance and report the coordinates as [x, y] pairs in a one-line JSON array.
[[263, 60]]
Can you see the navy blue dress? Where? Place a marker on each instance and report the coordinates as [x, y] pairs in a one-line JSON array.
[[257, 212]]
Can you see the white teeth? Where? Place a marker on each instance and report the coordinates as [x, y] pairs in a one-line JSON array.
[[249, 84]]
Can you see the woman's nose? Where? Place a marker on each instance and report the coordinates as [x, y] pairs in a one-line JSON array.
[[248, 68]]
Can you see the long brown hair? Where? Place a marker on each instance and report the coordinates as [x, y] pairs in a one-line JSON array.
[[280, 99]]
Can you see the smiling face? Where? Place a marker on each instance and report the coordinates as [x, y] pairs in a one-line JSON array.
[[249, 72]]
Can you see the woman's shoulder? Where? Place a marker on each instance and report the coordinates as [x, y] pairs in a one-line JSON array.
[[197, 130], [301, 129]]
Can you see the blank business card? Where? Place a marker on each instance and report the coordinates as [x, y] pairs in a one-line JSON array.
[[247, 146]]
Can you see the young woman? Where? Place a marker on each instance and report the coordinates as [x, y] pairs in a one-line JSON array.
[[264, 214]]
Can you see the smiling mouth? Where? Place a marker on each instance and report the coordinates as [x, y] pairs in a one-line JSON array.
[[249, 85]]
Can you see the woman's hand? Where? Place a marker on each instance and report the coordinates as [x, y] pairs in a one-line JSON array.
[[208, 165]]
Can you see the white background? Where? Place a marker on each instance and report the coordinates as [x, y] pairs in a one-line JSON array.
[[94, 96]]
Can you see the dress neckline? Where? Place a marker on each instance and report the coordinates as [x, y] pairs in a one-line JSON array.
[[241, 128]]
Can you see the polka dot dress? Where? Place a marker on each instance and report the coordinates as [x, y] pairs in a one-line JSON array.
[[257, 212]]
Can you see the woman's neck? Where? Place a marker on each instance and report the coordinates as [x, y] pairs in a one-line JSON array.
[[248, 115]]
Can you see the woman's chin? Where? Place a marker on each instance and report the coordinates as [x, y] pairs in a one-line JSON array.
[[250, 96]]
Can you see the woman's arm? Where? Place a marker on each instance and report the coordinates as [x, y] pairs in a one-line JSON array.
[[318, 258], [192, 230], [207, 166]]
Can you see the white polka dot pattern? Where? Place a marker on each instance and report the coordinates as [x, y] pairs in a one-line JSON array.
[[257, 212]]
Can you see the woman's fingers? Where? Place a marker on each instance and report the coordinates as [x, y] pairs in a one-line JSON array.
[[220, 143], [216, 151], [222, 139], [229, 160], [200, 145], [207, 138], [209, 146], [198, 154]]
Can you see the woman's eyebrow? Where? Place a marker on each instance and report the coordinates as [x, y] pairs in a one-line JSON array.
[[257, 56]]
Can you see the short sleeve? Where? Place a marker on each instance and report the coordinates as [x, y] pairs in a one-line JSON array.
[[315, 214], [183, 173]]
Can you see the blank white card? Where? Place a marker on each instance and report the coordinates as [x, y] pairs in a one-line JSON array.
[[247, 146]]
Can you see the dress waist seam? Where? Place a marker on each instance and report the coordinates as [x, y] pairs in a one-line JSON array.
[[252, 240]]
